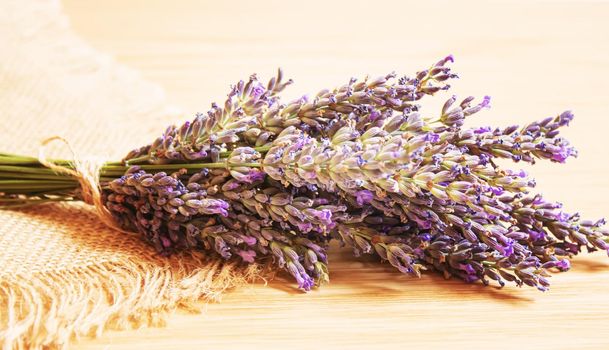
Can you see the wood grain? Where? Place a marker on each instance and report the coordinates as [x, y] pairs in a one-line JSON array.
[[535, 58]]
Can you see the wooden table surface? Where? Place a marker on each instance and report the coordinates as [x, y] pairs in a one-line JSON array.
[[536, 58]]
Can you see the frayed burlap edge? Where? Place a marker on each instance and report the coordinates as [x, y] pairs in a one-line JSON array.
[[51, 309]]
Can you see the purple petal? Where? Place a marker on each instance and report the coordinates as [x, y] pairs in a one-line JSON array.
[[363, 197]]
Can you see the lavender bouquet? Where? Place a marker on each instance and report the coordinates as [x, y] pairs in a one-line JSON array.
[[258, 179]]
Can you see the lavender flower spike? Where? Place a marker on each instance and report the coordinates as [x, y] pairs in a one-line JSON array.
[[261, 180]]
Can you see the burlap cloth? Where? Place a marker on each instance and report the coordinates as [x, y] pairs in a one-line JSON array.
[[63, 274]]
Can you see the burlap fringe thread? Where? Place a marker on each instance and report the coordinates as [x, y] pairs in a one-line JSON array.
[[49, 310]]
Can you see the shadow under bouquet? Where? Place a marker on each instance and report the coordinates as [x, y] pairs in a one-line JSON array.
[[256, 179]]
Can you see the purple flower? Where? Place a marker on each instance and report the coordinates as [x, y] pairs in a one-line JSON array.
[[482, 129], [496, 190], [563, 153], [247, 255], [165, 241], [483, 159], [450, 58], [563, 217], [424, 224], [231, 185], [521, 173], [374, 115], [363, 197], [221, 247], [432, 137], [214, 206], [536, 235], [571, 247], [564, 264], [311, 187], [304, 226], [565, 117], [324, 215], [468, 269], [250, 241], [486, 102], [538, 200], [419, 253], [258, 90], [426, 237], [436, 159], [508, 249], [456, 170], [253, 176], [302, 278]]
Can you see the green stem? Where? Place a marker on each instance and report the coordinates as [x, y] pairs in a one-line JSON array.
[[137, 160], [24, 160], [38, 169], [11, 175], [27, 177]]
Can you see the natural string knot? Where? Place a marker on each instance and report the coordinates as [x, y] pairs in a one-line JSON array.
[[86, 171]]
